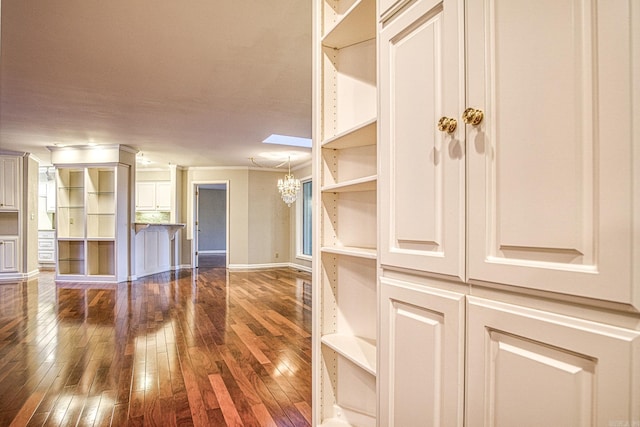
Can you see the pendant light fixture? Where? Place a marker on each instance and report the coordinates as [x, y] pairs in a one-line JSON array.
[[289, 187]]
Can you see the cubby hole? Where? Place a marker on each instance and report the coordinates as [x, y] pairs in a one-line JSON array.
[[71, 257], [349, 93], [350, 219], [101, 258], [344, 165], [349, 392], [9, 225]]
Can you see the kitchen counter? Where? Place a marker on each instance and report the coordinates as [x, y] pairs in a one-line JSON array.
[[155, 250], [172, 228]]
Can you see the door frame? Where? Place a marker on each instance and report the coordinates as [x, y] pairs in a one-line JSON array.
[[194, 218]]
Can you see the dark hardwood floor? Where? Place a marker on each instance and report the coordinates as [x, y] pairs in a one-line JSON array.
[[208, 348]]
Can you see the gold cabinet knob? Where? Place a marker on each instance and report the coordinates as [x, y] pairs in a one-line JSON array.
[[446, 124], [471, 116]]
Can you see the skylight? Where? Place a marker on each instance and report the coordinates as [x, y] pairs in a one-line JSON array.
[[294, 141]]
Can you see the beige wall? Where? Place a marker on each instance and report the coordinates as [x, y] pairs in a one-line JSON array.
[[268, 219], [260, 223], [238, 187], [153, 175]]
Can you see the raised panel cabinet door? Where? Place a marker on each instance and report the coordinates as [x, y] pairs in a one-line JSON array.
[[549, 176], [421, 351], [51, 196], [8, 255], [9, 194], [146, 196], [163, 196], [528, 367], [421, 166]]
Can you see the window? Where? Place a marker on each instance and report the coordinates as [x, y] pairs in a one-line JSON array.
[[306, 218], [304, 223]]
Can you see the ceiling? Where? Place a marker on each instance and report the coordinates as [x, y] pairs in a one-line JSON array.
[[191, 83]]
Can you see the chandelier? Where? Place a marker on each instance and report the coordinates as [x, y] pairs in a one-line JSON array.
[[289, 187]]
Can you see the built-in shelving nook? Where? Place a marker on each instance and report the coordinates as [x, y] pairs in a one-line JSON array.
[[345, 167], [18, 231], [94, 202]]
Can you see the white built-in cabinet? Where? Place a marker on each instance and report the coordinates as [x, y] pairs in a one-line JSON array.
[[9, 254], [10, 183], [153, 196], [10, 214], [94, 211], [497, 230], [92, 223], [18, 227], [507, 218], [345, 170]]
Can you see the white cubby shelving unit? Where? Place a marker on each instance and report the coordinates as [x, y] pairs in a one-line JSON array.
[[93, 221], [345, 178]]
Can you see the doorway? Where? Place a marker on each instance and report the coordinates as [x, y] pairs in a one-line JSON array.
[[211, 230]]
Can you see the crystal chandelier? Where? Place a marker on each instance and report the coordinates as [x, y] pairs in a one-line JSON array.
[[289, 187]]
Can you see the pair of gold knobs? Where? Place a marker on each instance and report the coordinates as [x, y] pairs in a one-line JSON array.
[[470, 116]]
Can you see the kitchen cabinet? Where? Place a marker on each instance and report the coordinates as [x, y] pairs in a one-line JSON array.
[[46, 247], [153, 196]]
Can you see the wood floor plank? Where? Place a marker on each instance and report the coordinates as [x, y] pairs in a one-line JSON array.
[[262, 413], [190, 348], [305, 409], [228, 408]]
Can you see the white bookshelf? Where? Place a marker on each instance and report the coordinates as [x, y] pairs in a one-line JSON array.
[[345, 252], [93, 215], [351, 251]]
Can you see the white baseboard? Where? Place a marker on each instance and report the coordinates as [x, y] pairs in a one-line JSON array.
[[300, 267], [18, 277], [266, 266], [257, 266]]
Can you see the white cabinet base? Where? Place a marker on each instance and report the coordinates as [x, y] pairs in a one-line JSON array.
[[153, 250], [531, 367], [421, 368]]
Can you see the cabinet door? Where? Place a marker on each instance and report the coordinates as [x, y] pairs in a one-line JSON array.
[[549, 176], [146, 196], [422, 168], [8, 255], [163, 196], [51, 196], [421, 366], [9, 171], [532, 368]]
